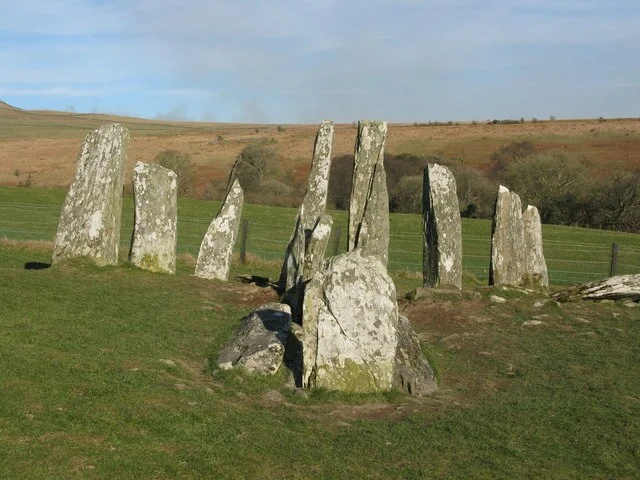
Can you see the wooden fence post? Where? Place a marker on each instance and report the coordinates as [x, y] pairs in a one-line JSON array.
[[243, 241], [614, 260], [336, 250]]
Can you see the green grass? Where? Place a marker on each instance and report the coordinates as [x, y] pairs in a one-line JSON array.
[[85, 395], [573, 255]]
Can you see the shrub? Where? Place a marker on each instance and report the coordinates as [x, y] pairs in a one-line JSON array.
[[180, 163], [253, 163], [507, 154]]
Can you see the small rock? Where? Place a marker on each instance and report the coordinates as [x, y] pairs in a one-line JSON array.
[[273, 397], [497, 299], [181, 386], [301, 392], [540, 317], [584, 320], [168, 363], [487, 354], [532, 323], [539, 304], [615, 315], [631, 304], [588, 334]]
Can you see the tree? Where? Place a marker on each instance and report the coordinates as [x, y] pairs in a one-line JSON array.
[[180, 163], [254, 162], [551, 182], [618, 199]]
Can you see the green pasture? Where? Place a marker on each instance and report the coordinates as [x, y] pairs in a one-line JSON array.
[[104, 374], [573, 255]]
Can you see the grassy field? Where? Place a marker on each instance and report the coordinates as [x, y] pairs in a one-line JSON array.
[[573, 255], [104, 374]]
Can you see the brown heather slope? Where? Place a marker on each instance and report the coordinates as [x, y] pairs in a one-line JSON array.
[[44, 144]]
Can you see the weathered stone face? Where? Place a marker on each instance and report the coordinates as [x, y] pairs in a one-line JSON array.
[[412, 373], [621, 287], [259, 342], [507, 241], [316, 247], [350, 318], [442, 229], [153, 245], [369, 204], [216, 250], [315, 199], [89, 223], [312, 208], [536, 268]]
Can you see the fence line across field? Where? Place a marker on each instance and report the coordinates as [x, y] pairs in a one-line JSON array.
[[268, 240]]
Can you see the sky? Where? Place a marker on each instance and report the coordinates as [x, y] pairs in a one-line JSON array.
[[302, 61]]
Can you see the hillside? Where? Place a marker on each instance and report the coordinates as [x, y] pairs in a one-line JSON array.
[[44, 144]]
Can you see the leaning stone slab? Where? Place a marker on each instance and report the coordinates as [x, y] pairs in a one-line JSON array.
[[621, 287], [155, 190], [507, 241], [259, 342], [314, 203], [89, 224], [442, 252], [369, 203], [412, 373], [350, 318], [216, 250], [317, 246], [536, 274]]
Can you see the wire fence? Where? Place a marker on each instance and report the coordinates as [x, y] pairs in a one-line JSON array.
[[573, 255]]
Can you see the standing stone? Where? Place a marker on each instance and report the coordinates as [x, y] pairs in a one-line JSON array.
[[155, 196], [313, 206], [350, 318], [216, 250], [442, 253], [90, 220], [412, 374], [536, 268], [316, 247], [507, 241], [258, 344], [369, 204]]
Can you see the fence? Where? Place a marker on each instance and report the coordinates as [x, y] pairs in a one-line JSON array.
[[573, 255]]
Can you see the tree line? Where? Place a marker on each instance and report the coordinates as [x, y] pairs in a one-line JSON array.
[[562, 187]]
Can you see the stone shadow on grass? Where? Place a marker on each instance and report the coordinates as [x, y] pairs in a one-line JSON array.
[[36, 266]]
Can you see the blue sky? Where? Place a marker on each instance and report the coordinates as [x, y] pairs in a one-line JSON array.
[[293, 61]]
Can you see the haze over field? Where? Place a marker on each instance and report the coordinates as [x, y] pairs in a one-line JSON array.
[[300, 61]]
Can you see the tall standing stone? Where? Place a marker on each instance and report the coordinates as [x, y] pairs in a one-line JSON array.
[[313, 206], [350, 319], [536, 274], [442, 228], [316, 247], [216, 250], [507, 241], [90, 220], [155, 196], [369, 204]]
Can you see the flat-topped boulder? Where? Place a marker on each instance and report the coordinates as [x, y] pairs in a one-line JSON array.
[[153, 245], [89, 223], [350, 318]]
